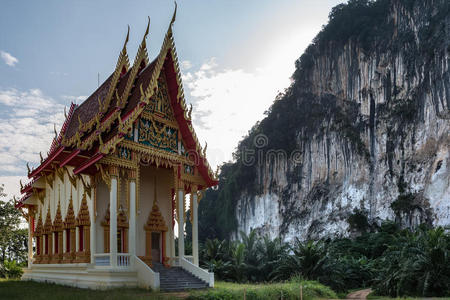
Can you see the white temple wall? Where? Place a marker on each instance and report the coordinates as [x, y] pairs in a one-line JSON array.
[[164, 179], [102, 207]]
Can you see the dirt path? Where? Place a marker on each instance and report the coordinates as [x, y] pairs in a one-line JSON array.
[[361, 294]]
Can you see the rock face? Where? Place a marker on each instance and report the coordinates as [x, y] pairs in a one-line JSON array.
[[383, 145]]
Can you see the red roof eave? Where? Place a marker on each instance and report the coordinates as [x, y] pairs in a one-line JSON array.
[[183, 123], [69, 158], [23, 199], [89, 162], [46, 162]]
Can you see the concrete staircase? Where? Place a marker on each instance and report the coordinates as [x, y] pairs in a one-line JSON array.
[[176, 279]]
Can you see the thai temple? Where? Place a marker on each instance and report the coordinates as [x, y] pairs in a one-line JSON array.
[[104, 205]]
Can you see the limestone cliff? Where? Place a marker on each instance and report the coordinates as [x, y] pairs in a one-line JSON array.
[[364, 128]]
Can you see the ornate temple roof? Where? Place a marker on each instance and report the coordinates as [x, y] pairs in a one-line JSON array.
[[94, 128]]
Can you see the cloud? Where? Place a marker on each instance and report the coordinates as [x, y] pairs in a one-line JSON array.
[[228, 102], [26, 128], [186, 65], [11, 186], [8, 59]]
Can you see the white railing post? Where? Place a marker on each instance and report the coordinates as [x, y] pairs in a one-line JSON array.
[[113, 222]]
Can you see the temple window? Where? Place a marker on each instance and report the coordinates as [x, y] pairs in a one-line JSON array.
[[67, 240], [80, 238], [56, 242], [46, 244], [38, 245]]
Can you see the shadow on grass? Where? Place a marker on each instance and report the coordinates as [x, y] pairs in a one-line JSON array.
[[16, 289]]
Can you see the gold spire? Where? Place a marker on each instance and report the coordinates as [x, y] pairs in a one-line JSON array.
[[174, 15], [141, 56], [124, 48]]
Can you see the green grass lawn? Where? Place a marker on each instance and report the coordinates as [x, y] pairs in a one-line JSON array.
[[289, 290], [15, 289]]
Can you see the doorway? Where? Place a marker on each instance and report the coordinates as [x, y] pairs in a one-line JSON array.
[[156, 247]]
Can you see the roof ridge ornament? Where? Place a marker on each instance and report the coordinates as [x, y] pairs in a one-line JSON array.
[[174, 16], [141, 56], [126, 39], [146, 31]]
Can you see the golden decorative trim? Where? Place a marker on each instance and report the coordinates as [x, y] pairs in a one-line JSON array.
[[83, 218], [200, 195], [48, 222], [193, 179], [122, 62], [155, 221], [72, 178], [69, 220], [170, 123], [141, 56], [58, 222], [49, 178], [87, 187], [39, 226], [118, 162], [105, 175], [60, 173], [40, 194], [157, 153]]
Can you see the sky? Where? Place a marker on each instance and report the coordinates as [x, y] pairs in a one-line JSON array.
[[236, 56]]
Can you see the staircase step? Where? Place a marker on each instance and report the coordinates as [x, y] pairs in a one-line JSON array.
[[177, 279]]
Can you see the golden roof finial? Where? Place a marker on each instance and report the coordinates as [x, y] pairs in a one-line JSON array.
[[127, 38], [204, 149], [174, 14], [65, 113], [28, 167], [148, 27], [54, 130], [40, 154]]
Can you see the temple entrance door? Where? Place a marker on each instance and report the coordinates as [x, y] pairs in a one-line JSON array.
[[156, 247]]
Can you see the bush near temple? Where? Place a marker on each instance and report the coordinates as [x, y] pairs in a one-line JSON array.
[[394, 262]]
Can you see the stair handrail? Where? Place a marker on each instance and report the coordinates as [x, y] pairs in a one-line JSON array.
[[147, 278], [203, 274]]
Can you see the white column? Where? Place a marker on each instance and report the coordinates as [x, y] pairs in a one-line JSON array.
[[54, 241], [113, 222], [180, 224], [64, 233], [195, 228], [132, 231], [77, 239], [30, 243], [92, 241], [172, 244]]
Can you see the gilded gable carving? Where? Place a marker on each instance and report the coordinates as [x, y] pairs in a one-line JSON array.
[[155, 221]]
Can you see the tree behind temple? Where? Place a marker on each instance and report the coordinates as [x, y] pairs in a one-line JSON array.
[[13, 239]]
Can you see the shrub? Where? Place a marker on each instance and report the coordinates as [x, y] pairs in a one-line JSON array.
[[10, 269]]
